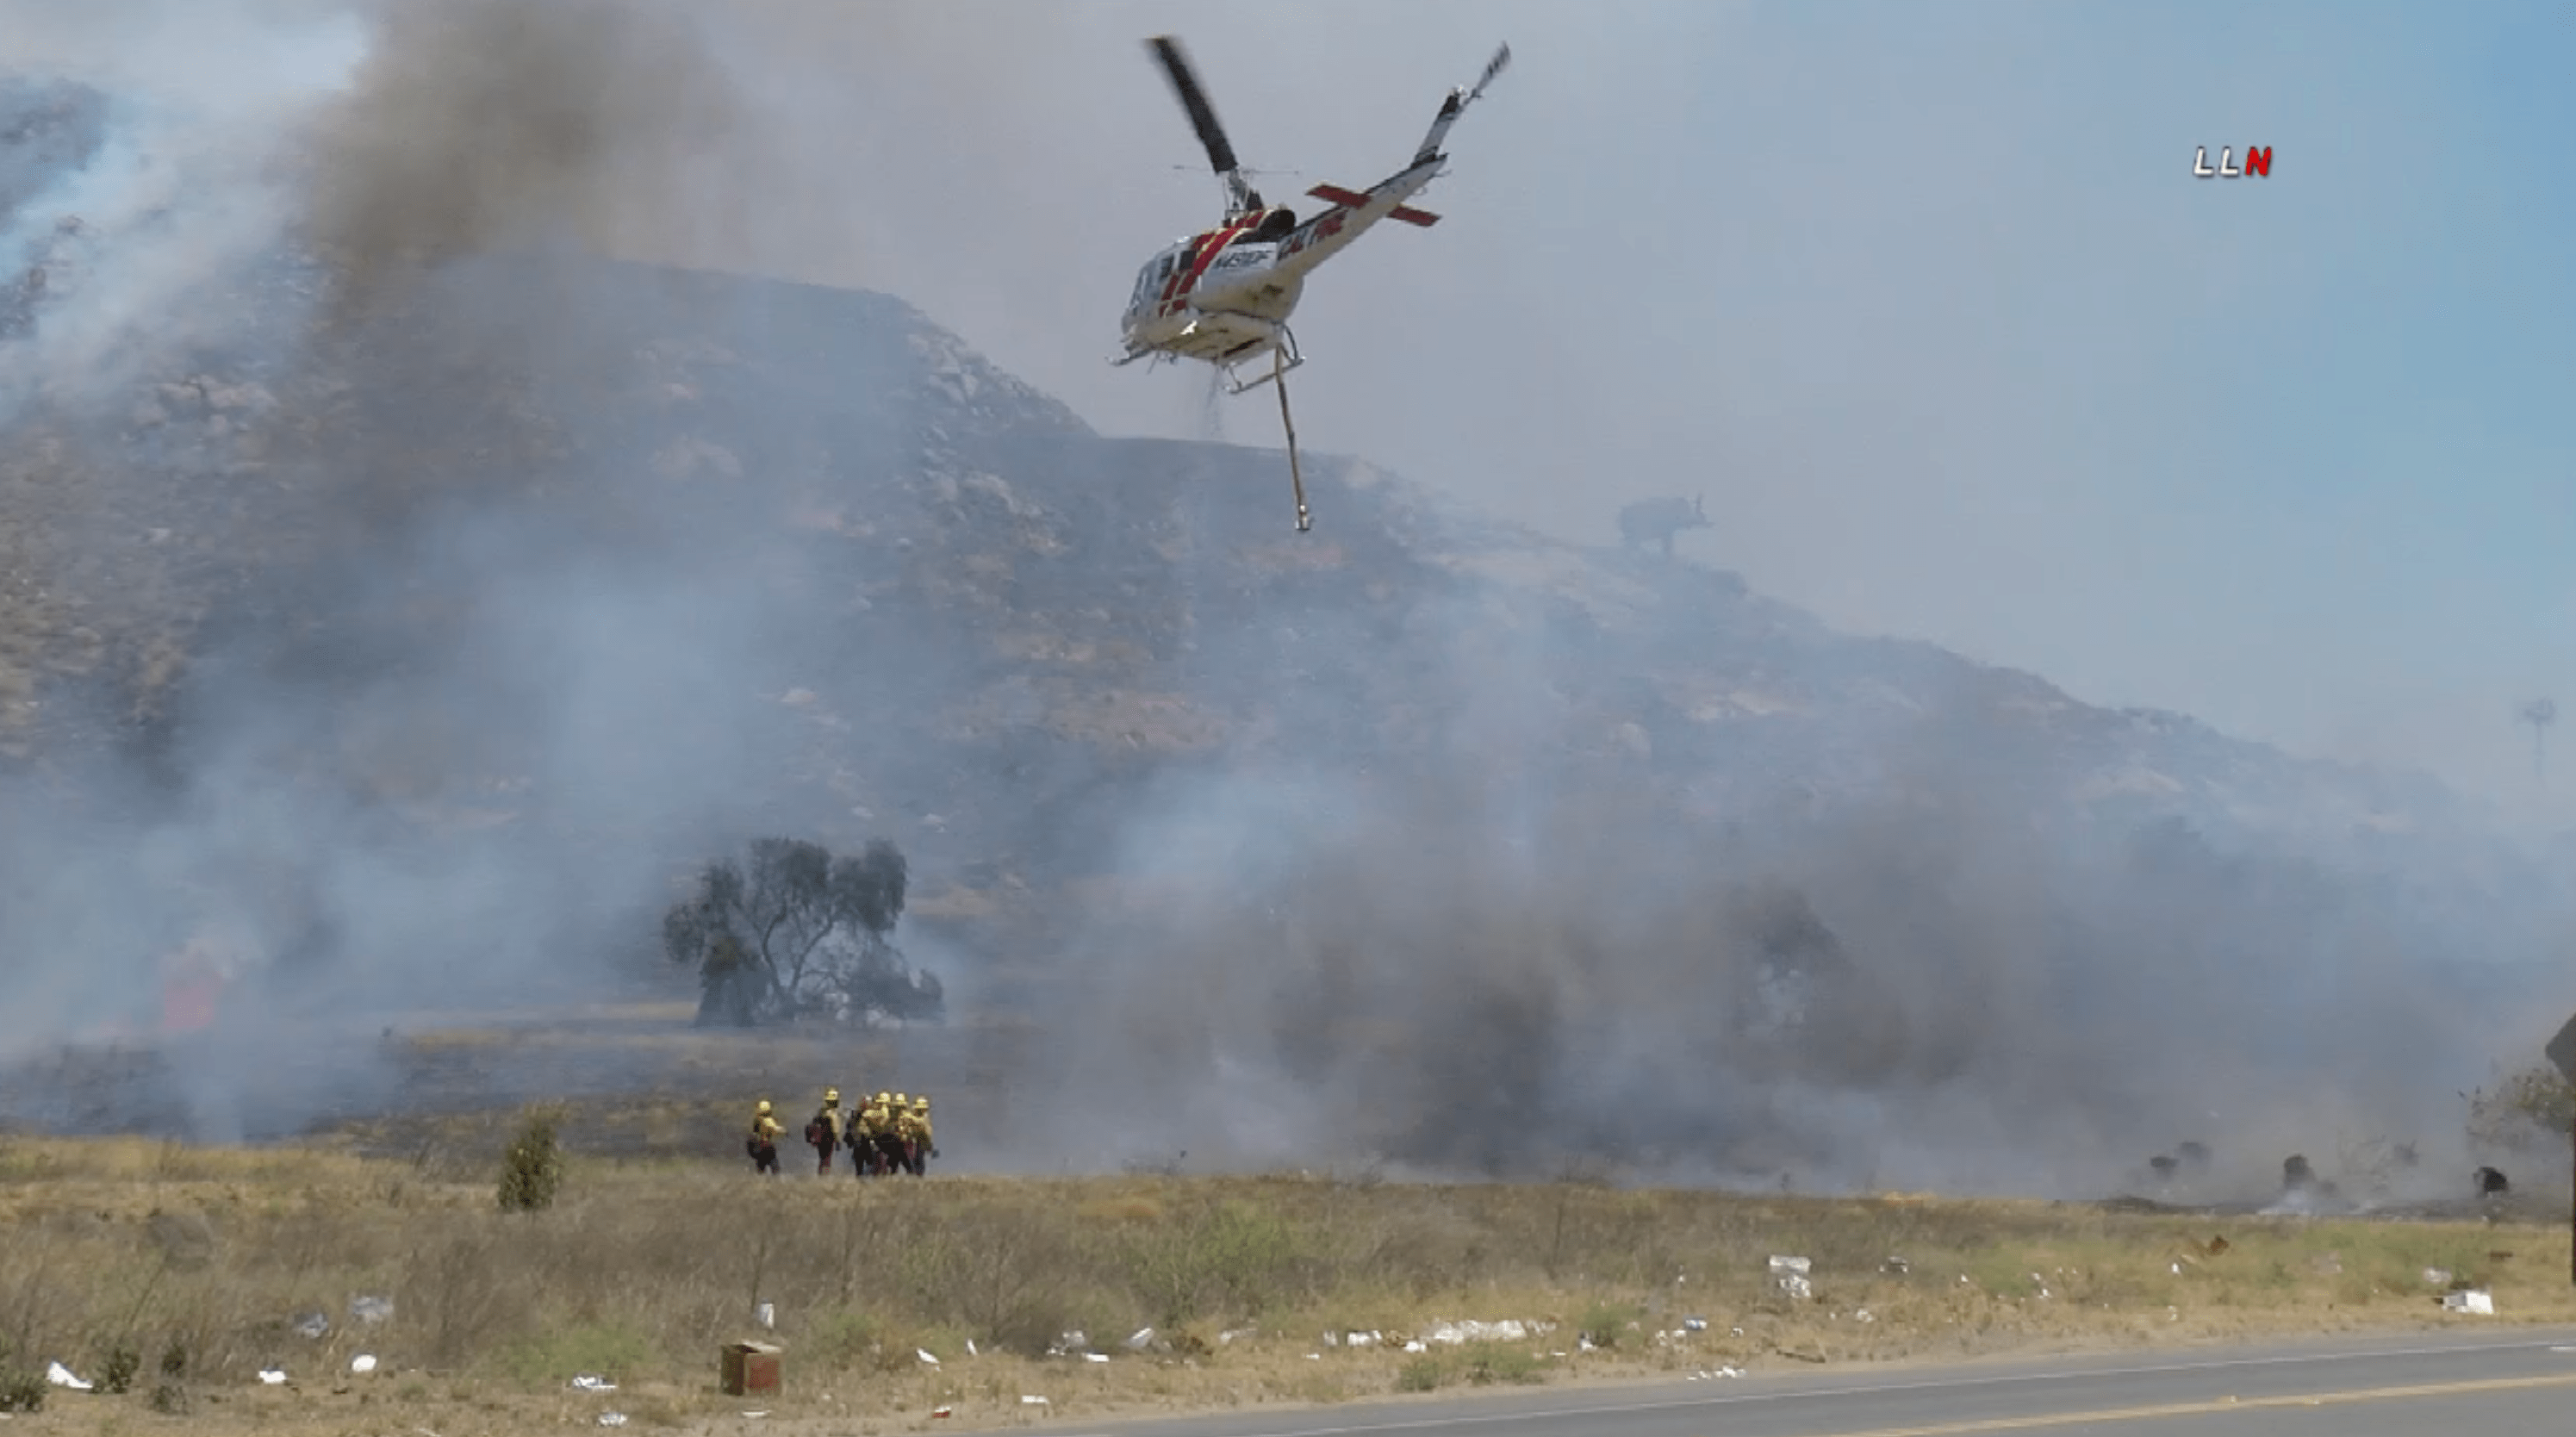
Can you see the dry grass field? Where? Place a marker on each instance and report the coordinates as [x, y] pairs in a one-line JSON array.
[[126, 1255]]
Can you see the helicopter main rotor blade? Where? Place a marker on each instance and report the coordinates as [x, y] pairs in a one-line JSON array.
[[1176, 66]]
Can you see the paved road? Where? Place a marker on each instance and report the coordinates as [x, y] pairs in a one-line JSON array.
[[2501, 1381]]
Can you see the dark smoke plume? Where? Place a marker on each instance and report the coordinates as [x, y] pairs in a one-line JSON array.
[[483, 124]]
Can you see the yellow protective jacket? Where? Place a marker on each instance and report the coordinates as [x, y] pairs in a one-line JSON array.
[[830, 1118], [921, 1127], [872, 1121], [765, 1128], [908, 1126]]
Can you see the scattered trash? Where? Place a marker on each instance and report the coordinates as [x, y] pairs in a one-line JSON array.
[[1140, 1339], [922, 1352], [618, 1419], [1231, 1334], [1417, 1345], [2177, 1271], [1790, 1275], [2475, 1300], [1087, 1357], [970, 1347], [1028, 1401], [939, 1411], [61, 1376], [1582, 1343], [363, 1363], [1453, 1333], [312, 1325], [1721, 1372], [1896, 1266], [1314, 1357], [272, 1376], [766, 1315], [2437, 1277], [1864, 1314], [371, 1310], [1362, 1339], [592, 1382], [1694, 1324]]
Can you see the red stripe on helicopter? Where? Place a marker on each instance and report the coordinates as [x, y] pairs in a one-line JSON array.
[[1208, 252], [1353, 199]]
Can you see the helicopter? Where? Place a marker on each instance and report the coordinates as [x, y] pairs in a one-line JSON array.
[[1223, 296]]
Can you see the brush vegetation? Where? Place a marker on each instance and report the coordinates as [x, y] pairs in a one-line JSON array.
[[218, 1261]]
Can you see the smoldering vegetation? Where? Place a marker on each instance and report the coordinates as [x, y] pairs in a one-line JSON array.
[[1914, 995], [404, 594]]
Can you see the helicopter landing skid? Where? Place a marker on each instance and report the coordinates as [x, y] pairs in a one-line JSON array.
[[1284, 356]]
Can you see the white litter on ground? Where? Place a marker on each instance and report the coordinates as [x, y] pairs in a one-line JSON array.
[[363, 1363], [591, 1382], [273, 1376], [61, 1376], [1453, 1333]]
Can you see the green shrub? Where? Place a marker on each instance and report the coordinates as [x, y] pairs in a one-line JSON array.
[[22, 1390], [122, 1363], [532, 1170]]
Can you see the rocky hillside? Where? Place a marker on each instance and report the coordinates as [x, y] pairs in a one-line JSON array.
[[420, 633]]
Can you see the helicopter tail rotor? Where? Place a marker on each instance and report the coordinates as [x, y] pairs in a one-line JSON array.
[[1456, 104], [1220, 151]]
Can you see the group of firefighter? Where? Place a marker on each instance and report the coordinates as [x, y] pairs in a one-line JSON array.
[[889, 1133]]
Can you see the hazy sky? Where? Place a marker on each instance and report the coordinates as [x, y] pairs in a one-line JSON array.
[[1924, 298]]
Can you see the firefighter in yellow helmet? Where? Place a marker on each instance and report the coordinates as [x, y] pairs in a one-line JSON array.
[[867, 1145], [923, 1146], [823, 1130], [892, 1158], [762, 1144]]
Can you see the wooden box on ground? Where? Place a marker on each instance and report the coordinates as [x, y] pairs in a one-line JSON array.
[[750, 1368]]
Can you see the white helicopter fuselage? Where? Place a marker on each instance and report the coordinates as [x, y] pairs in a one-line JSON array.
[[1225, 297]]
